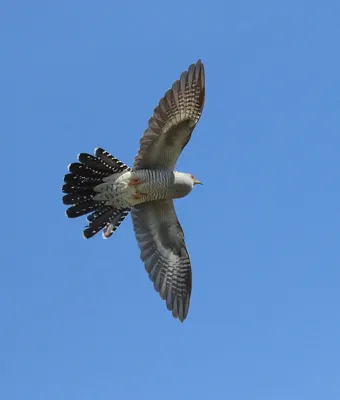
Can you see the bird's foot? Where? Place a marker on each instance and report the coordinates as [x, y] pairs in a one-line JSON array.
[[134, 181], [136, 196]]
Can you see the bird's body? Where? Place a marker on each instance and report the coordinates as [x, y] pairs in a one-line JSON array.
[[108, 190], [130, 188]]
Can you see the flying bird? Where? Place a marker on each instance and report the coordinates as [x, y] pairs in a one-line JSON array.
[[107, 189]]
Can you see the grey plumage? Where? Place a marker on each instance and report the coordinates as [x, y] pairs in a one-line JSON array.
[[173, 121], [163, 251], [108, 189]]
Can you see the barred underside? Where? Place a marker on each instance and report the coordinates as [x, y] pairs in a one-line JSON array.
[[155, 183]]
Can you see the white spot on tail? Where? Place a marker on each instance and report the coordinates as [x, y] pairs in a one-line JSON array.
[[105, 237]]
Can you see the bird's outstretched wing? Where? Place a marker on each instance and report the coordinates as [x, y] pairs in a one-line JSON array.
[[173, 121], [163, 251]]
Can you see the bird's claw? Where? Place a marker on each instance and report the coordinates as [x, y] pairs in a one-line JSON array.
[[134, 181], [136, 196]]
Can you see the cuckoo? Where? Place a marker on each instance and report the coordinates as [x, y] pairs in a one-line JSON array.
[[108, 190]]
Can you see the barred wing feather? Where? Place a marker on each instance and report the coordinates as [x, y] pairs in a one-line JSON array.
[[163, 251], [173, 121]]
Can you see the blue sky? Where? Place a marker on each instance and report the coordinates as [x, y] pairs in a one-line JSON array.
[[80, 319]]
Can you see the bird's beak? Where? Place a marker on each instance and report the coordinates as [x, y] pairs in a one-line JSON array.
[[197, 182]]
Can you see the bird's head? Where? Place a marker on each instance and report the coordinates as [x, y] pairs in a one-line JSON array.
[[182, 185], [195, 180]]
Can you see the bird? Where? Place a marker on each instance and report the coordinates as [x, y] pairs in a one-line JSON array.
[[108, 190]]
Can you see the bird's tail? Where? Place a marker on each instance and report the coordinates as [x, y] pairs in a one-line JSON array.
[[79, 186]]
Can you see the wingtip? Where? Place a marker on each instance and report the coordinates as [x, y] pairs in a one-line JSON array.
[[201, 71], [197, 71], [199, 64]]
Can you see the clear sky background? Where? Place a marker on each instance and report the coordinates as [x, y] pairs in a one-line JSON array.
[[80, 319]]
